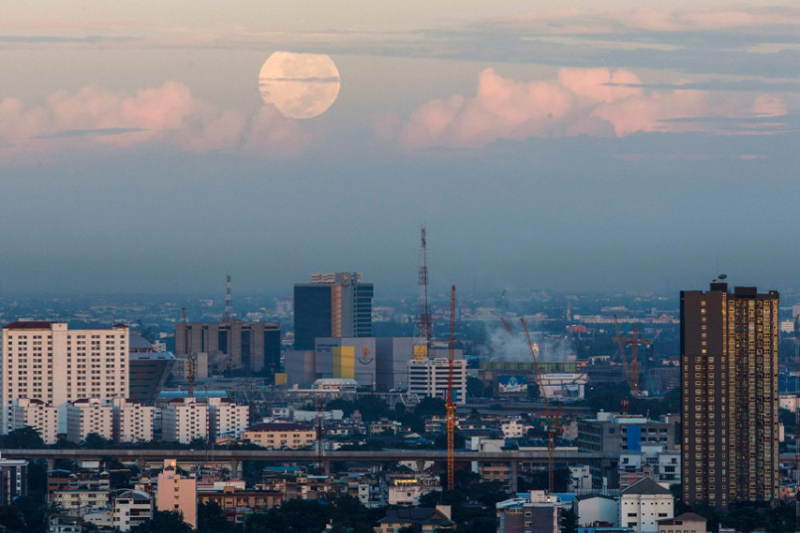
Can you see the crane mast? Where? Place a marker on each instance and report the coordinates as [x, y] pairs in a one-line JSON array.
[[450, 405], [424, 312]]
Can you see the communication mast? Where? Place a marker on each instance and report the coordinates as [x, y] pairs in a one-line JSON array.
[[450, 406], [424, 312], [227, 315]]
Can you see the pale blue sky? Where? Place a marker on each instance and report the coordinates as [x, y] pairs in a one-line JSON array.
[[545, 144]]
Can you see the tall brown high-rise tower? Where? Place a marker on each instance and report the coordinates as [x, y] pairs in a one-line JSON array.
[[729, 395]]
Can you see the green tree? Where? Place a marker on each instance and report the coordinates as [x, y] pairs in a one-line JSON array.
[[93, 441], [23, 438], [11, 519], [475, 388], [430, 407], [163, 522], [569, 521], [211, 519]]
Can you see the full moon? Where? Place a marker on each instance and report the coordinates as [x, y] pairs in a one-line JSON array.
[[301, 86]]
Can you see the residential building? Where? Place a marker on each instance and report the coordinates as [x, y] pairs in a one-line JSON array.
[[130, 509], [407, 489], [185, 419], [729, 373], [426, 519], [430, 377], [514, 429], [643, 504], [232, 344], [93, 416], [78, 502], [332, 305], [279, 435], [237, 502], [177, 492], [664, 466], [49, 362], [133, 421], [38, 415], [684, 523], [537, 512], [229, 420], [13, 480]]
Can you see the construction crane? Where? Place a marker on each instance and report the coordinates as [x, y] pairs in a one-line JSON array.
[[450, 405], [424, 312], [632, 369], [554, 427]]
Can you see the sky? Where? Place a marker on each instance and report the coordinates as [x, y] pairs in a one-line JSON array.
[[568, 145]]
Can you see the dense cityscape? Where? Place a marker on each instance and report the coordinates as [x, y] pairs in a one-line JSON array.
[[336, 409]]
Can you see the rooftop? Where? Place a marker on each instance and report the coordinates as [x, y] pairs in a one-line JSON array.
[[646, 486]]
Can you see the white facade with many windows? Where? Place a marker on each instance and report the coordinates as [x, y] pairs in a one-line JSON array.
[[49, 362], [429, 377], [230, 419], [185, 419], [133, 421], [37, 415]]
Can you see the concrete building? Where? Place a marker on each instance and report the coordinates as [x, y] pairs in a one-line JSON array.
[[133, 421], [729, 372], [177, 493], [149, 369], [238, 502], [684, 523], [47, 361], [84, 417], [423, 519], [643, 504], [78, 502], [331, 305], [616, 433], [228, 419], [514, 429], [38, 415], [597, 511], [537, 512], [131, 508], [392, 357], [407, 489], [429, 377], [278, 435], [301, 367], [13, 480], [346, 357], [254, 347], [663, 466], [185, 419]]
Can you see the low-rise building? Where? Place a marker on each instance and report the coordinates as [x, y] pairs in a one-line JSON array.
[[538, 512], [664, 466], [131, 508], [514, 429], [597, 511], [684, 523], [407, 489], [77, 502], [236, 503], [643, 504], [281, 435]]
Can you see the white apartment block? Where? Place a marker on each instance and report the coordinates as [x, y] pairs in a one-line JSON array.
[[47, 361], [38, 415], [429, 377], [184, 419], [230, 420], [514, 429], [131, 508], [83, 417], [133, 421], [643, 504]]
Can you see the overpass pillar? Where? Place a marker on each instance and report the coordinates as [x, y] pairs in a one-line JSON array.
[[236, 469], [420, 466], [513, 476]]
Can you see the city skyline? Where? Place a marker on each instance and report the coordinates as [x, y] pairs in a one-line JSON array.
[[161, 137]]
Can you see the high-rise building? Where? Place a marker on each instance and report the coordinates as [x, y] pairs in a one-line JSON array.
[[232, 344], [149, 367], [729, 376], [331, 305], [185, 419], [430, 377], [47, 361], [38, 415], [133, 421]]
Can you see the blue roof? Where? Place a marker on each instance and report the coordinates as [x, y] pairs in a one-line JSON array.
[[172, 394]]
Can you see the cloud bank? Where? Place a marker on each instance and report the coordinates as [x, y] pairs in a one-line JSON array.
[[167, 115], [593, 102]]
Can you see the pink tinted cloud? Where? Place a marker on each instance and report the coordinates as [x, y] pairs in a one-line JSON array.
[[596, 102], [168, 115]]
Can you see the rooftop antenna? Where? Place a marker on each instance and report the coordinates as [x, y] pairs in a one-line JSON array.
[[425, 325], [227, 315]]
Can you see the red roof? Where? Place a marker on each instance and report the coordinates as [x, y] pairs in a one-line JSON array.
[[29, 324]]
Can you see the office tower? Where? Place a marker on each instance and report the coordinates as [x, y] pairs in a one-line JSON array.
[[429, 377], [232, 344], [149, 368], [177, 493], [331, 305], [729, 376], [47, 361]]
